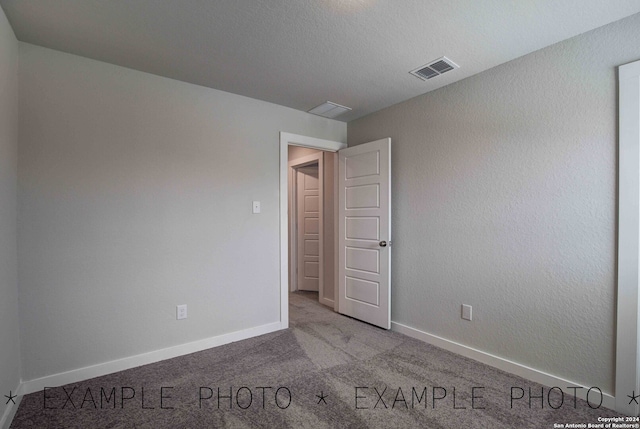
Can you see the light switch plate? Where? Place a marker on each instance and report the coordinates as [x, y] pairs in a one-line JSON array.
[[466, 312], [256, 207]]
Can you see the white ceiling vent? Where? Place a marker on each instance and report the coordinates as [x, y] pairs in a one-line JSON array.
[[329, 110], [434, 68]]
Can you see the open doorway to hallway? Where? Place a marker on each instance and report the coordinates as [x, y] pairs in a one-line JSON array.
[[311, 222], [287, 140], [362, 233]]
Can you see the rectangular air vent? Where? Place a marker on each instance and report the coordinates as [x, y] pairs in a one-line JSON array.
[[329, 110], [434, 68]]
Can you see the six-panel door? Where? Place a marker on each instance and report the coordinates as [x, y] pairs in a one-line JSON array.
[[364, 232]]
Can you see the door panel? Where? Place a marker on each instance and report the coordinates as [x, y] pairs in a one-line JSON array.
[[363, 260], [362, 228], [364, 270], [364, 291], [363, 197], [312, 247], [362, 165]]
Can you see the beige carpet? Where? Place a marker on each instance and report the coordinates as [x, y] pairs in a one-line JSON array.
[[326, 371]]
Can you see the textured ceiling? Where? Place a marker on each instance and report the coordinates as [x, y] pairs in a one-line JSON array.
[[301, 53]]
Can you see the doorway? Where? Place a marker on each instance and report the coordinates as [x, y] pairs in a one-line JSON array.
[[306, 220], [363, 217], [302, 144], [311, 222]]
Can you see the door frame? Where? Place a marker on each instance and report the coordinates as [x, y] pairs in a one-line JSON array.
[[293, 214], [287, 139], [628, 305]]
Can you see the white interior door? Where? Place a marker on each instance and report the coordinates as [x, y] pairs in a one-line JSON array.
[[309, 212], [364, 232]]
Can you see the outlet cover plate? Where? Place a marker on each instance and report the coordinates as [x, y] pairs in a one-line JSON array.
[[181, 311]]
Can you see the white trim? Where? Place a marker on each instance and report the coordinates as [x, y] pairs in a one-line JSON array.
[[627, 364], [523, 371], [336, 225], [10, 411], [287, 139], [310, 142], [101, 369]]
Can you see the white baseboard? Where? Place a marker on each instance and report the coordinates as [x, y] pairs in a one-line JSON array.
[[328, 302], [523, 371], [31, 386], [10, 411], [98, 370]]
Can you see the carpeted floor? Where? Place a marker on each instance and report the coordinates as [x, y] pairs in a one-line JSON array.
[[326, 371]]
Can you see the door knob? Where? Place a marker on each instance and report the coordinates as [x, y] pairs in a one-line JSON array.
[[383, 244]]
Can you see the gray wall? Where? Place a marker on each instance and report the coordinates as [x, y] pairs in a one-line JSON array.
[[9, 329], [504, 198], [296, 152], [330, 164], [134, 196]]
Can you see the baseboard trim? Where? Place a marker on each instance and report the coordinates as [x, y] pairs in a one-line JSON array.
[[105, 368], [523, 371], [10, 411], [328, 302]]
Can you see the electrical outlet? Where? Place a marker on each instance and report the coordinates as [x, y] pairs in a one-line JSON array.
[[466, 312], [181, 311]]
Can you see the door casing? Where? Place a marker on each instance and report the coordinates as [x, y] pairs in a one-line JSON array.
[[628, 297]]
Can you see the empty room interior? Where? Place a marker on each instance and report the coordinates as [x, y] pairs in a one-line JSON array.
[[352, 202]]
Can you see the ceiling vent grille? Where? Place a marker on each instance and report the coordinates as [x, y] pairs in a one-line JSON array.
[[434, 68], [329, 110]]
